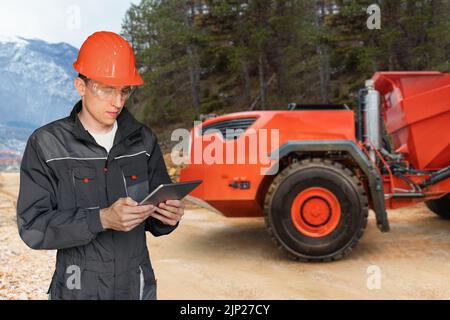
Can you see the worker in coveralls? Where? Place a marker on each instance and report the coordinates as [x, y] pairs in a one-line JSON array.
[[81, 179]]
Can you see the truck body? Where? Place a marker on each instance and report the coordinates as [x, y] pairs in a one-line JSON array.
[[314, 171]]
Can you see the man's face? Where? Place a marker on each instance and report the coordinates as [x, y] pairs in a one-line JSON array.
[[103, 103]]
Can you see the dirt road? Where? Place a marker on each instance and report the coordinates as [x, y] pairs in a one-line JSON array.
[[212, 257]]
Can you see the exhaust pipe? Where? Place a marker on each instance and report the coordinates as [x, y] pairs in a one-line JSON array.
[[372, 116]]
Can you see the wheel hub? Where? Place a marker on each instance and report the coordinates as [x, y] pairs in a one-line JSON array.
[[316, 212]]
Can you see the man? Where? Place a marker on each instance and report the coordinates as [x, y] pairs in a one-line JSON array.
[[82, 176]]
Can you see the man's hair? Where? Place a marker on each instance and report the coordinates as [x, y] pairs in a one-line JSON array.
[[83, 77]]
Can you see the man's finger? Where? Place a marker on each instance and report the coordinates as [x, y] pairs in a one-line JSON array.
[[125, 218], [168, 214], [139, 209], [130, 202], [164, 219], [137, 219], [175, 203], [170, 208]]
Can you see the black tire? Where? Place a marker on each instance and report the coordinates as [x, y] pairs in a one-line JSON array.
[[324, 174], [440, 206]]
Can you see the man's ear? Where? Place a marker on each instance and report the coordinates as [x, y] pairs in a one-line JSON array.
[[80, 86]]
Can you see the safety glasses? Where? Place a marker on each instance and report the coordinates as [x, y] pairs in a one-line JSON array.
[[106, 93]]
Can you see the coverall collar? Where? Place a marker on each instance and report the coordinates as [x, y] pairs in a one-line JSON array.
[[126, 125]]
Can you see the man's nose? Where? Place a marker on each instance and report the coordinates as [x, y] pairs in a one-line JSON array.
[[117, 99]]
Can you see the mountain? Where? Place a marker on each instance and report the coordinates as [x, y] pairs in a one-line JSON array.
[[36, 87], [36, 80]]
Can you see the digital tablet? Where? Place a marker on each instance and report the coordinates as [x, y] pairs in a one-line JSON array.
[[170, 191]]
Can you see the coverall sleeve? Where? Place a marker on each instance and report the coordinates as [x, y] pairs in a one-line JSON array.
[[157, 175], [41, 225]]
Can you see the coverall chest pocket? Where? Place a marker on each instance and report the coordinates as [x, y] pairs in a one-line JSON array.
[[85, 185], [135, 179]]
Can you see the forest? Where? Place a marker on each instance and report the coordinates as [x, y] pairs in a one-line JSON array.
[[200, 57]]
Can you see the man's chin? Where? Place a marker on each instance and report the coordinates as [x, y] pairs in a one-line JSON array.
[[107, 122], [111, 116]]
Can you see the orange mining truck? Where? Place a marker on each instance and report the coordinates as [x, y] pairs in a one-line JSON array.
[[326, 165]]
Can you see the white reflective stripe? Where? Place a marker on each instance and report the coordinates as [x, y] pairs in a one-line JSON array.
[[125, 184], [141, 283], [71, 158], [120, 157], [132, 155]]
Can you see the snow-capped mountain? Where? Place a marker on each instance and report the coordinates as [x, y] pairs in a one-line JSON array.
[[36, 81], [36, 87]]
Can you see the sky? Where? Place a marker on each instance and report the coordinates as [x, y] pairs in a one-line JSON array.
[[70, 21]]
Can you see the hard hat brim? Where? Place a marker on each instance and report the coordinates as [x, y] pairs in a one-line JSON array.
[[136, 80]]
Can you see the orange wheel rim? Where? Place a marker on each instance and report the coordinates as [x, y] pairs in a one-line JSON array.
[[316, 212]]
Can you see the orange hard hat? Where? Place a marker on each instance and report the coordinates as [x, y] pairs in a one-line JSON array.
[[108, 58]]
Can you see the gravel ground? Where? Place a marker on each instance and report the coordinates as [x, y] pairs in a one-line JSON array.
[[212, 257]]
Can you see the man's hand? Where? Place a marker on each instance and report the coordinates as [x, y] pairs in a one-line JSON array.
[[125, 215], [169, 212]]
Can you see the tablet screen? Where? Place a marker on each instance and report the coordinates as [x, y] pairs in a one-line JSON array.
[[170, 191]]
